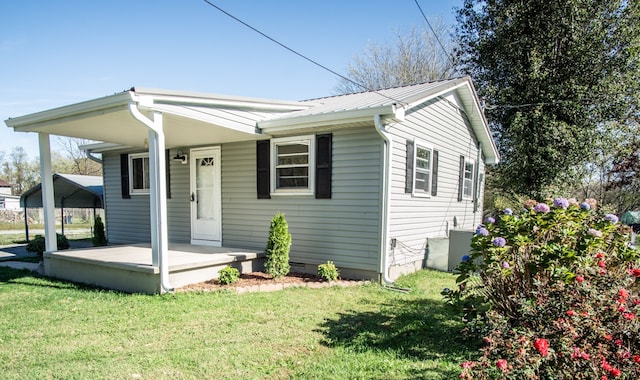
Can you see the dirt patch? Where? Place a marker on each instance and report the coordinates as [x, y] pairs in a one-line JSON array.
[[262, 282]]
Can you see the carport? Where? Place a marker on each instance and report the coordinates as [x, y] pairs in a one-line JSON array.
[[69, 191]]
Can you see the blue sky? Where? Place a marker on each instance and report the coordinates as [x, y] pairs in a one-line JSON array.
[[54, 53]]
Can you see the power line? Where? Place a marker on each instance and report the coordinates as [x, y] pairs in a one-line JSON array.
[[436, 35], [299, 54]]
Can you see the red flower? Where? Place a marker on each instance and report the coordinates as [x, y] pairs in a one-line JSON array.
[[616, 372], [571, 313], [599, 255], [542, 345], [619, 342], [502, 364], [602, 264], [585, 356], [635, 272], [624, 294], [608, 337], [636, 358], [606, 366], [579, 278], [629, 316]]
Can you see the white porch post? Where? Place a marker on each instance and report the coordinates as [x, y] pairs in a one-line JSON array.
[[157, 199], [48, 205]]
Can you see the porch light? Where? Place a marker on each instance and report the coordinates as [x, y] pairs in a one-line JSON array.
[[182, 157]]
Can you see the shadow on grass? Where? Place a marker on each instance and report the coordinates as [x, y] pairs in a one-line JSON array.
[[417, 330], [30, 278]]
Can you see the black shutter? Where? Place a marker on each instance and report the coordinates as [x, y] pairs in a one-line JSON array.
[[168, 172], [408, 185], [323, 166], [461, 179], [434, 174], [262, 168], [124, 175]]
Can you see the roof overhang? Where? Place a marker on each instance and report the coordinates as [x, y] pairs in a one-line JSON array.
[[188, 118]]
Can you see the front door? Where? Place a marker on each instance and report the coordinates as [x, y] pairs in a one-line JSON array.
[[206, 215]]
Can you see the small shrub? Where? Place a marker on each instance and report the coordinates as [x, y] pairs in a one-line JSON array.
[[554, 292], [277, 251], [99, 237], [36, 245], [228, 276], [328, 271]]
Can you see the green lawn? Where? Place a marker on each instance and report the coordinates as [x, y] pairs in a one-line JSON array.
[[56, 330]]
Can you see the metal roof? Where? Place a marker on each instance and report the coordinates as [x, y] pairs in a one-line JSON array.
[[69, 191]]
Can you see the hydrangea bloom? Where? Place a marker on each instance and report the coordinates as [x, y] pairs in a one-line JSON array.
[[573, 202], [542, 207], [594, 232], [490, 220], [561, 202], [508, 211], [585, 206], [612, 218], [482, 231], [499, 242], [466, 258]]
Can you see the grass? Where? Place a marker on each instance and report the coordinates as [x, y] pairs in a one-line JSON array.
[[71, 232], [53, 329]]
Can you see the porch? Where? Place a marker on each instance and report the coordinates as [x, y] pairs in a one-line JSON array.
[[129, 268]]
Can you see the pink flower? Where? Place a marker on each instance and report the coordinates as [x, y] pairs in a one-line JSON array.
[[616, 372], [629, 316], [467, 364], [608, 337], [571, 313], [502, 364], [636, 358], [579, 278], [542, 345], [599, 255], [602, 264], [619, 342]]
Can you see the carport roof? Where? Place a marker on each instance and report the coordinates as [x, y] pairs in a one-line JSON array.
[[70, 191]]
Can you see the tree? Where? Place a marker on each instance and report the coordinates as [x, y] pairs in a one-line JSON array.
[[20, 171], [414, 57], [76, 161], [551, 73]]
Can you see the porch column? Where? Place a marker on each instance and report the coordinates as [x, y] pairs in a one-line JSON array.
[[47, 193], [157, 196]]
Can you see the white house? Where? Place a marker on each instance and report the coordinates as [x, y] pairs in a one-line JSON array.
[[372, 181]]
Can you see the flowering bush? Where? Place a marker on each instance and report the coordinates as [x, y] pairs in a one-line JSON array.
[[554, 292]]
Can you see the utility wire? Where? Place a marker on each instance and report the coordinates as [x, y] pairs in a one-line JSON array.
[[299, 54], [446, 53]]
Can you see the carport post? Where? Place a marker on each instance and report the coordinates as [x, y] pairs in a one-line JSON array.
[[47, 193]]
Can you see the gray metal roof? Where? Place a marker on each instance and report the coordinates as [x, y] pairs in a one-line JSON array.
[[69, 191]]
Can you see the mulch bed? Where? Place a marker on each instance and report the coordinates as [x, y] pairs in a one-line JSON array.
[[262, 282]]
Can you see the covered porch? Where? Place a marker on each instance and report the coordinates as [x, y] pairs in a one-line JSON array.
[[152, 121], [130, 268]]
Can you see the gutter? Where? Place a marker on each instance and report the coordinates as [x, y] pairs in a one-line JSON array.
[[93, 158], [386, 199], [159, 215]]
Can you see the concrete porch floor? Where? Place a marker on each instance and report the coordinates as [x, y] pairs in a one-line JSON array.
[[129, 268]]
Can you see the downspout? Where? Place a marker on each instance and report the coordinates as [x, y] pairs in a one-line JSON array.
[[386, 198], [158, 215]]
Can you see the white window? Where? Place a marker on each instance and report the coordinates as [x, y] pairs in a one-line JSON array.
[[423, 165], [467, 180], [139, 173], [292, 165]]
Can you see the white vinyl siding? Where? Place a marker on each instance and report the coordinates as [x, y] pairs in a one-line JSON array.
[[416, 220], [344, 229]]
